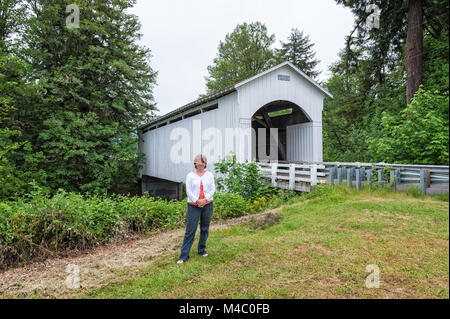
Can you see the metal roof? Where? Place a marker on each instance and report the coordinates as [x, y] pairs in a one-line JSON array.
[[191, 105]]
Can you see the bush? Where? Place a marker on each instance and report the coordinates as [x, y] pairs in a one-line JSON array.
[[245, 179], [229, 205], [38, 226], [418, 135]]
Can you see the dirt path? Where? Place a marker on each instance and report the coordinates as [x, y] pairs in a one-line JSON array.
[[103, 265]]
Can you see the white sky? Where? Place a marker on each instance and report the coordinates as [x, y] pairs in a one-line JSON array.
[[184, 35]]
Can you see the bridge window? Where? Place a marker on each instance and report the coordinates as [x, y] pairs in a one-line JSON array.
[[280, 112], [283, 77], [176, 119], [192, 113], [149, 129], [210, 108]]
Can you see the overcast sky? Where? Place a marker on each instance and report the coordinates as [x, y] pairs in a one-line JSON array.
[[184, 36]]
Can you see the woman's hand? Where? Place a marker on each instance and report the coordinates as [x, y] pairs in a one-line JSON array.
[[201, 202]]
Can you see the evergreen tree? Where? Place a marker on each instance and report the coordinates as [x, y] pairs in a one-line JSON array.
[[387, 44], [12, 15], [245, 52], [298, 50], [369, 84], [95, 89]]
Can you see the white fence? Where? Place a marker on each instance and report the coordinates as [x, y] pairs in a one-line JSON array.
[[301, 176]]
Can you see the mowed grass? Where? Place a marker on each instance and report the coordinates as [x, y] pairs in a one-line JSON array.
[[319, 249]]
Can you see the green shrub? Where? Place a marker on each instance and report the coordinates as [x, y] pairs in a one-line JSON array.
[[229, 205], [245, 179], [37, 225], [419, 134]]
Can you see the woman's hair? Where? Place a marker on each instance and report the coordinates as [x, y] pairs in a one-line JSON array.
[[200, 158]]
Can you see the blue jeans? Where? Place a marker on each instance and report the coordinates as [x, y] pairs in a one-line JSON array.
[[194, 214]]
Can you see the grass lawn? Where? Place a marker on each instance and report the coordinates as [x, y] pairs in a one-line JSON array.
[[319, 249]]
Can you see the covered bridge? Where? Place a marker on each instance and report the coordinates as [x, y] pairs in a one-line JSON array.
[[275, 115]]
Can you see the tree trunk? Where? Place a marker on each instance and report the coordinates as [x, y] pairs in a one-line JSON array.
[[414, 48]]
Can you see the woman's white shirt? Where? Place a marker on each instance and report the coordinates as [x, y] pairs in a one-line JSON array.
[[193, 186]]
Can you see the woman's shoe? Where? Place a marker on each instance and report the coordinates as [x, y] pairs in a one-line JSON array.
[[205, 255], [180, 261]]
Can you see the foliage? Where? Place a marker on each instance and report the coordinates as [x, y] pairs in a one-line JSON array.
[[11, 73], [12, 13], [420, 135], [245, 179], [92, 68], [229, 205], [298, 50], [368, 83], [245, 52], [84, 154], [384, 46], [39, 225], [79, 95], [19, 169], [18, 163], [6, 143], [436, 64]]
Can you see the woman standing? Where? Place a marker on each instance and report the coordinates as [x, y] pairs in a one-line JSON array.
[[200, 189]]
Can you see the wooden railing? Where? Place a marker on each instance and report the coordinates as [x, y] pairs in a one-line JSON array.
[[301, 176]]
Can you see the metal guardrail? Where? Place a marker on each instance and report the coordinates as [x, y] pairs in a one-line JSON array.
[[301, 176]]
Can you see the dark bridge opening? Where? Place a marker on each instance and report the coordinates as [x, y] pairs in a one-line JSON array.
[[157, 187], [277, 114]]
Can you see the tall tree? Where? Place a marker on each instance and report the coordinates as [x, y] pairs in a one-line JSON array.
[[385, 45], [18, 164], [245, 52], [298, 50], [95, 86], [12, 14], [96, 67], [414, 48]]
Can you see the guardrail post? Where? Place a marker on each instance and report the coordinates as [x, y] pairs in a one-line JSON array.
[[344, 173], [274, 173], [380, 176], [393, 179], [313, 171], [358, 178], [428, 178], [362, 174], [339, 175], [331, 172], [291, 176], [398, 179], [369, 176], [349, 176], [423, 181]]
